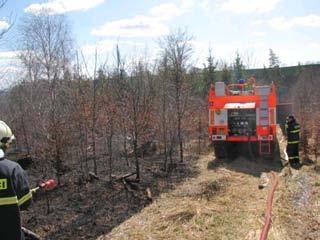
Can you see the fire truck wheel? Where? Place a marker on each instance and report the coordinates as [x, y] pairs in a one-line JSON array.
[[220, 150]]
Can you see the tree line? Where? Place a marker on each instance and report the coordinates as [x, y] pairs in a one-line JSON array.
[[67, 120], [64, 118]]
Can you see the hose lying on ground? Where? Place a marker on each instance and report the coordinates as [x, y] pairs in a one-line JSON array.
[[268, 214]]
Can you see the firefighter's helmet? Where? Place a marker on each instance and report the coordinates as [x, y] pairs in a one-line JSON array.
[[6, 135], [290, 118]]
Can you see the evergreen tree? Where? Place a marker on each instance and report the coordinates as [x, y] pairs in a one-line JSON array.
[[238, 67], [273, 59], [209, 73], [276, 75], [226, 74]]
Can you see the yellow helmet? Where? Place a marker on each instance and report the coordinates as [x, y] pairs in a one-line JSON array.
[[6, 135]]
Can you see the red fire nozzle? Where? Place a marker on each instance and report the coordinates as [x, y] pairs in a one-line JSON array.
[[48, 185]]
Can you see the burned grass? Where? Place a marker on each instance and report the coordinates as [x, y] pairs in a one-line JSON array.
[[94, 208]]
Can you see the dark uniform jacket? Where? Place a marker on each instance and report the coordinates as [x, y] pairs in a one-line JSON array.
[[15, 195], [293, 130]]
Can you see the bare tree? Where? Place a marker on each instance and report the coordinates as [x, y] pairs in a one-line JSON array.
[[163, 73], [138, 99], [94, 115], [177, 47], [119, 90], [19, 101], [46, 47], [81, 116], [108, 114]]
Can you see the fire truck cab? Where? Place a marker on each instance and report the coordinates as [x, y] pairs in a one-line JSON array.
[[242, 113]]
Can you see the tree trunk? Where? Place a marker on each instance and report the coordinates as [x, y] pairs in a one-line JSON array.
[[178, 93], [54, 129], [164, 128], [93, 129], [125, 147], [94, 118], [199, 133], [135, 149], [180, 140], [110, 137]]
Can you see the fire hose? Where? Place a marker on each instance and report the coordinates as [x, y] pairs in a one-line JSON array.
[[268, 214], [46, 186]]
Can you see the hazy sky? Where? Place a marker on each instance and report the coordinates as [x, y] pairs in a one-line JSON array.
[[290, 27]]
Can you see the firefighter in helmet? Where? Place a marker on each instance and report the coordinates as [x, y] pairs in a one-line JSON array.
[[15, 194], [293, 138]]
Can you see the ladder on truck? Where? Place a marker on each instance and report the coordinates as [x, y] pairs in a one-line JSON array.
[[264, 142]]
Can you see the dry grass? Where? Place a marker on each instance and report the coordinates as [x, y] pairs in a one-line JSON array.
[[297, 207], [223, 202], [217, 204]]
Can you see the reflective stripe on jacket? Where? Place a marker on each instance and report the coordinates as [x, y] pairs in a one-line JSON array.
[[293, 132], [15, 195]]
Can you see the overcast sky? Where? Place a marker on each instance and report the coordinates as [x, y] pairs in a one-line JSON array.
[[290, 27]]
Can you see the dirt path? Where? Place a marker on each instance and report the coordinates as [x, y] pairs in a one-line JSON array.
[[222, 202]]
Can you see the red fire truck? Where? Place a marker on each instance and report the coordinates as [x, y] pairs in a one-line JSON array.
[[242, 116]]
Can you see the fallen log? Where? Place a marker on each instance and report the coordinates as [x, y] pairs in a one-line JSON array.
[[132, 184], [93, 176], [120, 178], [128, 188]]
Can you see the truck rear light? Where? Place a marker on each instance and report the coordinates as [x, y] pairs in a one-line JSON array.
[[221, 131]]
